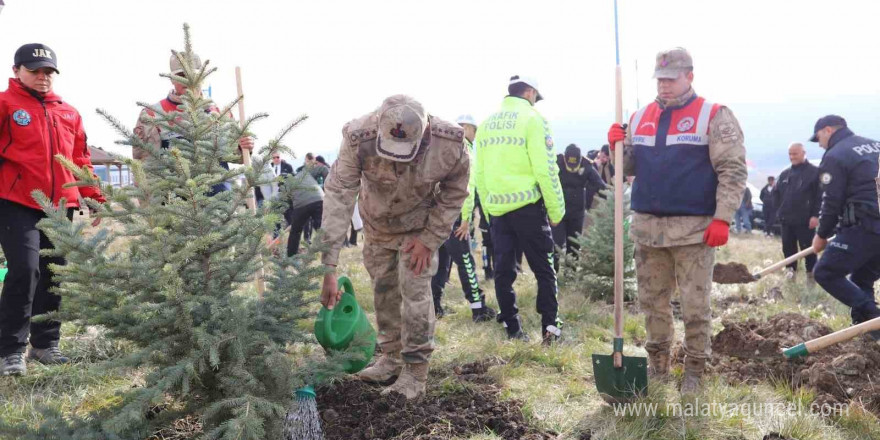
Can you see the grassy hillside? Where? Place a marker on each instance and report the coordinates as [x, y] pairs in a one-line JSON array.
[[554, 385]]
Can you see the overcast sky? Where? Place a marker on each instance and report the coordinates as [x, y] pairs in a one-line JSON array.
[[778, 65]]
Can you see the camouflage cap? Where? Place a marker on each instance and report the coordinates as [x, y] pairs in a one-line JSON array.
[[673, 62], [402, 122], [176, 67]]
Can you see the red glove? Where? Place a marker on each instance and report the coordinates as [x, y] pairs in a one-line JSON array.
[[617, 133], [717, 232]]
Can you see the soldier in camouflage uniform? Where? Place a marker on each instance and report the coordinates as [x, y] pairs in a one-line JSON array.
[[409, 171], [688, 159], [155, 135]]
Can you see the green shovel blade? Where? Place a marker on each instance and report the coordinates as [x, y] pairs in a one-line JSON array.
[[620, 384]]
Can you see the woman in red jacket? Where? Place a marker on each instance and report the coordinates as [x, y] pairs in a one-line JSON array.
[[36, 126]]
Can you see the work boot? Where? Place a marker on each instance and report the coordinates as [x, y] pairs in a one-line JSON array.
[[658, 365], [693, 376], [484, 314], [411, 383], [13, 365], [439, 313], [550, 335], [514, 330], [859, 317], [386, 369], [48, 356]]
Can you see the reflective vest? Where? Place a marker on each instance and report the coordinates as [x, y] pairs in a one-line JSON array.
[[674, 175], [516, 161]]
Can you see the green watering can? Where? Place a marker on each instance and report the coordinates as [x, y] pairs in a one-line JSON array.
[[336, 329]]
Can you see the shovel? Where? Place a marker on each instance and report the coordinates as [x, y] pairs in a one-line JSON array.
[[806, 348], [745, 277], [779, 265], [619, 378]]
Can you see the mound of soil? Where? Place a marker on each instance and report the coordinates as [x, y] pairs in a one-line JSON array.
[[469, 405], [732, 273], [750, 352]]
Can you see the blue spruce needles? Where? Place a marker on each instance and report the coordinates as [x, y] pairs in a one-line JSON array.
[[170, 271]]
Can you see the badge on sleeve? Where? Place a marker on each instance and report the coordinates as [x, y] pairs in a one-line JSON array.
[[825, 178], [728, 132], [22, 118]]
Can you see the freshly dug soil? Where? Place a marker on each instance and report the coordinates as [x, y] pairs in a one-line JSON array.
[[750, 352], [732, 273], [469, 404]]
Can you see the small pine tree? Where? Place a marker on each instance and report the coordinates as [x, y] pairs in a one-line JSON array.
[[174, 276], [591, 269]]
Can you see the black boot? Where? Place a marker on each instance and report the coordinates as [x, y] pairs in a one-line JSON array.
[[484, 314], [514, 330], [438, 310]]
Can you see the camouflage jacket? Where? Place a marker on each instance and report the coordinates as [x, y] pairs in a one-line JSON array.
[[421, 198], [728, 155], [152, 133]]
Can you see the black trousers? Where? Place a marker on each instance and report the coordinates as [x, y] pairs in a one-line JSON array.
[[353, 238], [769, 219], [525, 229], [571, 226], [458, 251], [26, 288], [307, 231], [798, 234], [297, 218], [488, 248], [848, 269]]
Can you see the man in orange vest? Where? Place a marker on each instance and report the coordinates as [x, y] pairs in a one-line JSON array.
[[688, 159]]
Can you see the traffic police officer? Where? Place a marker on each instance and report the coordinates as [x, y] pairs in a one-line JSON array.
[[457, 248], [849, 203], [688, 159], [517, 179]]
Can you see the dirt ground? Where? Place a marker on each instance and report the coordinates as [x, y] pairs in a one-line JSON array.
[[732, 273], [461, 402], [751, 352]]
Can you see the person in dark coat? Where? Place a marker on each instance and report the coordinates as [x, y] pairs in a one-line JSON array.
[[769, 210], [797, 198], [580, 183]]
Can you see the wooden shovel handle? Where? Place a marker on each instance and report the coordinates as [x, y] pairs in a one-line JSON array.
[[618, 220], [251, 200], [842, 335], [776, 266]]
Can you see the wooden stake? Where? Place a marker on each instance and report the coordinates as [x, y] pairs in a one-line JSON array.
[[251, 200]]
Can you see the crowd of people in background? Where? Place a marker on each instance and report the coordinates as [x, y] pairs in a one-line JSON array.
[[418, 180]]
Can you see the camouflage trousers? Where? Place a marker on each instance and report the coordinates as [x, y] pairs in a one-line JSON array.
[[659, 270], [403, 301]]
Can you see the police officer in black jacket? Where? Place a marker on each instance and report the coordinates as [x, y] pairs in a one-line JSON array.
[[580, 183], [796, 198], [847, 173]]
